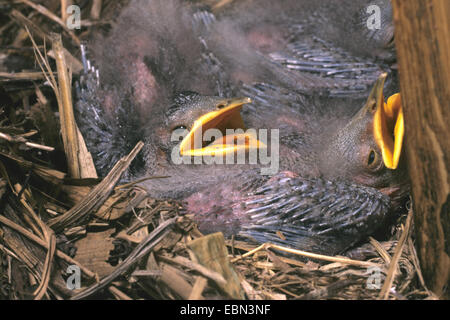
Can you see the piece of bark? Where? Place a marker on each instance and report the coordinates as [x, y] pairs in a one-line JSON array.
[[94, 250], [422, 37], [211, 252]]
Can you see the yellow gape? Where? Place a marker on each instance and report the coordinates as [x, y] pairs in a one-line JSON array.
[[389, 130], [228, 117]]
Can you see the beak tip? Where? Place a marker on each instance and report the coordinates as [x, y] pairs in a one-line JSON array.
[[380, 82]]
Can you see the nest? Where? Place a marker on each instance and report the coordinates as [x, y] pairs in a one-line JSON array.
[[65, 234]]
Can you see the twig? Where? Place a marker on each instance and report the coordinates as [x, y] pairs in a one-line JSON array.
[[44, 65], [147, 273], [9, 252], [10, 138], [267, 246], [22, 75], [46, 274], [416, 263], [221, 4], [95, 9], [64, 5], [44, 11], [384, 293], [383, 253], [130, 184], [118, 293], [197, 290], [39, 146]]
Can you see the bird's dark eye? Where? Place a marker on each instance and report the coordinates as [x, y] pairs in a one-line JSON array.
[[374, 161], [371, 158], [179, 127], [220, 106]]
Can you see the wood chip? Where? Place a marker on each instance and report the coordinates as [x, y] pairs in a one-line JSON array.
[[212, 253]]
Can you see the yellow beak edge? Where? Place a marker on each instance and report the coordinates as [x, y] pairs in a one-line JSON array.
[[389, 129], [228, 117]]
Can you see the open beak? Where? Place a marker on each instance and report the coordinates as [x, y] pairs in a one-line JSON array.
[[388, 124], [228, 117]]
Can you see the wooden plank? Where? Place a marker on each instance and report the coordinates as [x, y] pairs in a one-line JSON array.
[[422, 38]]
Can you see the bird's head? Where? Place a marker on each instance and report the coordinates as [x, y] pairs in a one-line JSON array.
[[367, 150]]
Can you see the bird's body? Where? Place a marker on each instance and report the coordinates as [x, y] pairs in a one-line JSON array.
[[161, 52]]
